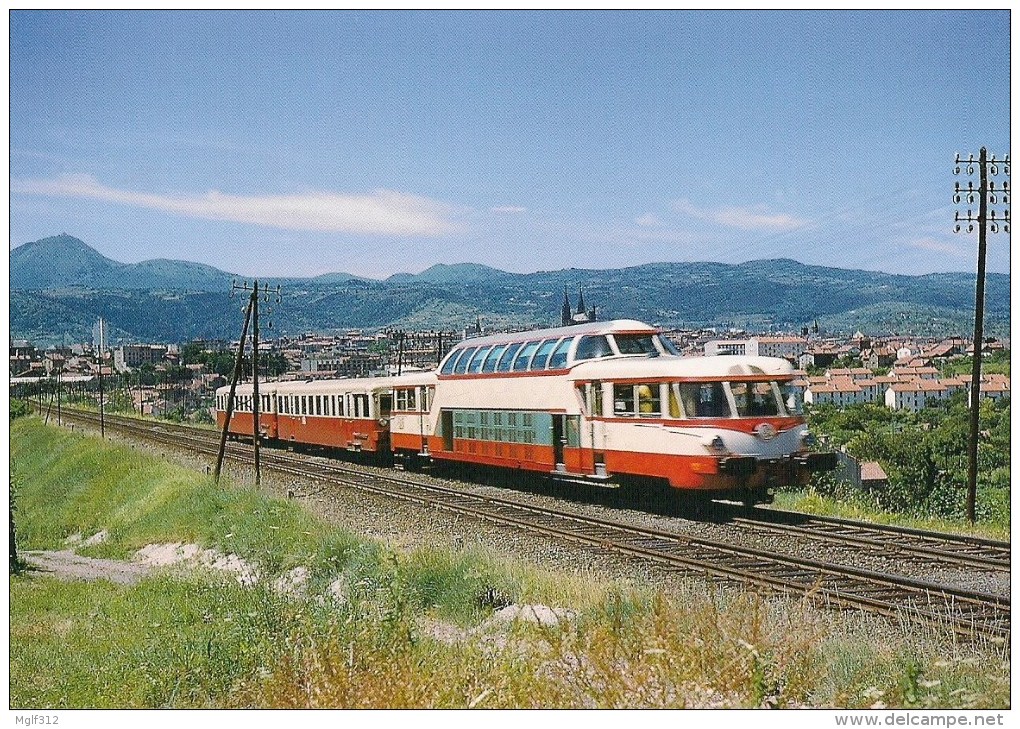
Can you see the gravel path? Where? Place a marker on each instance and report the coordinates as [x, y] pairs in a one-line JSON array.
[[67, 565]]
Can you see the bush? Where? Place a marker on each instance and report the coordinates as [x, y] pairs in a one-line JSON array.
[[19, 408]]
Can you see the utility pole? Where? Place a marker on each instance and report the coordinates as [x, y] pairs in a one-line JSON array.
[[985, 193], [230, 396], [102, 407], [251, 315], [255, 379]]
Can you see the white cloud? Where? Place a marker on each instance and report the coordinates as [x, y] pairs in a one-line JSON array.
[[509, 209], [745, 218], [952, 248], [383, 212], [647, 221]]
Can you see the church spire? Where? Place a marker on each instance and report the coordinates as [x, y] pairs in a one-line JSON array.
[[565, 313]]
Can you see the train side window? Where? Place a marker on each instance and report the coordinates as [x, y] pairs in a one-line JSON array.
[[674, 401], [584, 397], [475, 366], [558, 358], [623, 399], [592, 347], [649, 400], [524, 356], [704, 400], [462, 362], [542, 355], [507, 358], [490, 361], [406, 399]]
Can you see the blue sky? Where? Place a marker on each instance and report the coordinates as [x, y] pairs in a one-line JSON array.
[[278, 144]]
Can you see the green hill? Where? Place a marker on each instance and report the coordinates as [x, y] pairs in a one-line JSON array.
[[60, 286]]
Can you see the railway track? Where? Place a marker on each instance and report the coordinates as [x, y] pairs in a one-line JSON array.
[[966, 612], [929, 547]]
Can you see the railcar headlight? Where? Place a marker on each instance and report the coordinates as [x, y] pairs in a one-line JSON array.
[[808, 440], [714, 443]]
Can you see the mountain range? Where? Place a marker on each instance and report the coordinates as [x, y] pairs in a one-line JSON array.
[[60, 286]]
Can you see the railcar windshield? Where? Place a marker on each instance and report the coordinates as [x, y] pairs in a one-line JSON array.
[[451, 361], [668, 346], [635, 343], [593, 347], [754, 399]]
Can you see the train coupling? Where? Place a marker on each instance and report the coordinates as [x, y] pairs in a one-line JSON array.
[[740, 466]]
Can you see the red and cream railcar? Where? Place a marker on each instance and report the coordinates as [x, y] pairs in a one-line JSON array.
[[609, 401], [348, 414]]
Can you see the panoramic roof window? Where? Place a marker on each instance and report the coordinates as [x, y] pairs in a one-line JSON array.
[[490, 361], [521, 363], [476, 362], [558, 358], [451, 361], [462, 363], [542, 354], [508, 357]]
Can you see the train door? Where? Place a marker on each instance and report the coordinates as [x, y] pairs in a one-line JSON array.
[[385, 405], [424, 405], [446, 425], [559, 440], [596, 426]]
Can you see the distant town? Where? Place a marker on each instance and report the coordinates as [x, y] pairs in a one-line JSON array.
[[901, 373]]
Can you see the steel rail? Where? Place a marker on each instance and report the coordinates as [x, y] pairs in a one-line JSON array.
[[921, 546]]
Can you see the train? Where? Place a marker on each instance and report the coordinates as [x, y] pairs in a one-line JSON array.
[[610, 403]]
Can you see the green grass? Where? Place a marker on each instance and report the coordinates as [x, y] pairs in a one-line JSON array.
[[192, 640], [992, 505]]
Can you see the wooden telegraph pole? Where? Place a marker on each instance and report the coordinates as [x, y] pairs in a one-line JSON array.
[[233, 388], [985, 193], [251, 315], [256, 434]]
